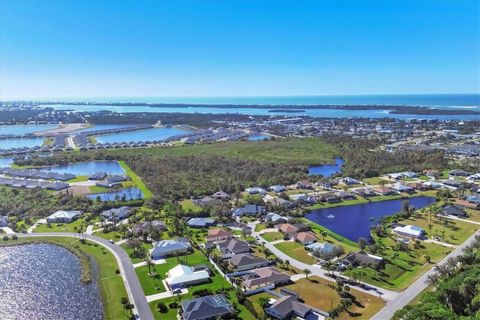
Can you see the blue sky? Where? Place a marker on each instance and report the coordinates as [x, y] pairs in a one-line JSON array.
[[236, 48]]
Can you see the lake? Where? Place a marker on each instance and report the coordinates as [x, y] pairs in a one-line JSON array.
[[20, 143], [354, 222], [129, 194], [111, 167], [25, 129], [327, 170], [5, 161], [259, 137], [42, 281], [140, 135]]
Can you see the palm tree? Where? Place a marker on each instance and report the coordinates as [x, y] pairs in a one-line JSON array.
[[324, 235], [306, 272]]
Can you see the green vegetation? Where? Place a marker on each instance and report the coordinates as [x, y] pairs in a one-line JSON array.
[[272, 236], [187, 205], [78, 179], [136, 180], [296, 251], [110, 282], [331, 236], [456, 293]]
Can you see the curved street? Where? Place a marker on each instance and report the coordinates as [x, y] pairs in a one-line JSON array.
[[130, 279]]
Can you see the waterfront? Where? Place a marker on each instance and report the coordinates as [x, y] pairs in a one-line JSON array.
[[20, 143], [42, 281], [327, 170], [355, 221], [110, 167], [21, 129], [140, 135]]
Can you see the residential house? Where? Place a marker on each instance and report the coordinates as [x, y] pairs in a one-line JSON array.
[[206, 201], [305, 237], [349, 181], [385, 191], [247, 261], [303, 198], [409, 231], [201, 222], [324, 247], [466, 204], [220, 195], [112, 181], [249, 210], [62, 216], [256, 190], [289, 307], [475, 199], [117, 214], [288, 229], [304, 184], [57, 186], [183, 276], [344, 195], [148, 226], [431, 173], [206, 308], [166, 248], [452, 210], [3, 221], [400, 187], [278, 188], [274, 218], [264, 277], [364, 259], [458, 173], [233, 246], [218, 235], [97, 176]]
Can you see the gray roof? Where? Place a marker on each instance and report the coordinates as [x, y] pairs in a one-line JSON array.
[[206, 307], [117, 213], [233, 246], [244, 259], [200, 222], [170, 246]]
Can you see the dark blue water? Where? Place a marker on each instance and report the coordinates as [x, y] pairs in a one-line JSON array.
[[354, 222], [42, 282], [87, 168], [129, 194], [327, 170]]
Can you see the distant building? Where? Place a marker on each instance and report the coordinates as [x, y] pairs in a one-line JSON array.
[[256, 190], [97, 176], [278, 188], [365, 259], [206, 201], [147, 226], [275, 218], [452, 210], [206, 308], [233, 246], [264, 277], [249, 210], [305, 237], [218, 235], [62, 216]]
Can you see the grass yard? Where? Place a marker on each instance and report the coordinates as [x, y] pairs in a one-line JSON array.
[[62, 227], [272, 236], [375, 180], [129, 251], [114, 235], [110, 283], [454, 232], [296, 251], [259, 227], [78, 179], [255, 300], [187, 205], [319, 293], [403, 270], [473, 215]]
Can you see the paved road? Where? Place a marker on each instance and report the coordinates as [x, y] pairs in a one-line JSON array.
[[130, 279], [416, 288], [319, 272]]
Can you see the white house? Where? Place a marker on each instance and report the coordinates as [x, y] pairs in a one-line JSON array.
[[183, 276], [409, 231], [62, 216]]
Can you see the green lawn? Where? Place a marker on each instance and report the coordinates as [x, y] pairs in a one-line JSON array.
[[78, 179], [272, 236], [473, 215], [402, 271], [62, 227], [129, 251], [113, 235], [296, 251], [187, 205], [259, 227], [136, 180], [110, 283], [375, 180], [319, 293]]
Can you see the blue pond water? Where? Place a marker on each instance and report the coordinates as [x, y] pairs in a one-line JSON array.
[[259, 137], [87, 168], [20, 143], [354, 221], [42, 281], [24, 129], [129, 194], [327, 170], [5, 161], [140, 135]]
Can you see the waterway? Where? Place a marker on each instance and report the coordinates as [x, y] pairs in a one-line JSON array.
[[327, 170], [42, 281], [20, 143], [25, 129], [355, 221]]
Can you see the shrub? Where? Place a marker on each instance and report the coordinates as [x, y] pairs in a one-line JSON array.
[[173, 305], [162, 307], [5, 238]]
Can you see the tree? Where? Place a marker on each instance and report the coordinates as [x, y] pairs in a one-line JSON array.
[[307, 272], [324, 234], [427, 258], [162, 307], [362, 243]]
